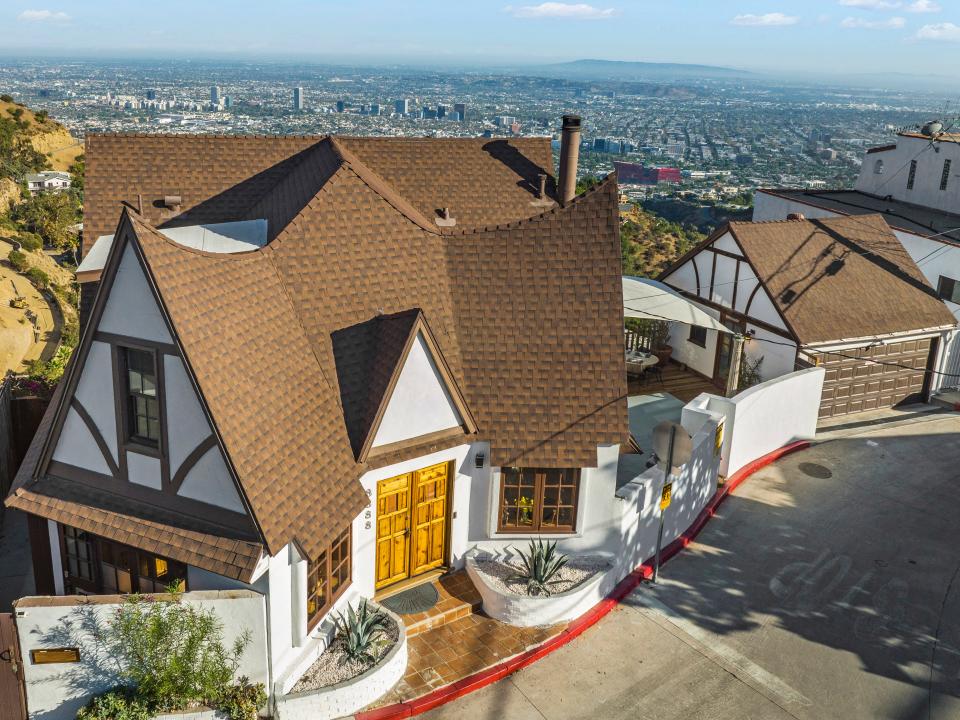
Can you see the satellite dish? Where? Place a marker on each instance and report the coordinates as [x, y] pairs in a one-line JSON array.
[[932, 129]]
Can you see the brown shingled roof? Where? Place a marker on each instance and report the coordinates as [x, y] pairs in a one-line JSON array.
[[524, 306], [840, 278]]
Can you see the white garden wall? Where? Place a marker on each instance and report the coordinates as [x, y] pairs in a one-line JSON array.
[[764, 417], [57, 691]]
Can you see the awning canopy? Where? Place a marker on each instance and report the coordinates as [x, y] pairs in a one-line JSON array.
[[652, 300]]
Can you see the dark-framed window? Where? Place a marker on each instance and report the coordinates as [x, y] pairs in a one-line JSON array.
[[948, 289], [142, 395], [96, 565], [327, 577], [698, 336], [79, 561], [911, 178], [538, 500], [945, 175]]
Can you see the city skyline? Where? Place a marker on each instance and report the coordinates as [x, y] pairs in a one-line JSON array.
[[864, 36]]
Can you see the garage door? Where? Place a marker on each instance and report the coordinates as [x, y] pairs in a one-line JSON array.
[[872, 378]]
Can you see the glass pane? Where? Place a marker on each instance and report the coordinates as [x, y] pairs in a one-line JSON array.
[[143, 429], [133, 379], [160, 568], [149, 386], [72, 565], [123, 582], [565, 518]]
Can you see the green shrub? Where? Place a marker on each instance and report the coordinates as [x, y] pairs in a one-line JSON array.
[[540, 567], [118, 704], [71, 332], [172, 652], [18, 260], [358, 631], [6, 98], [38, 277], [243, 700], [30, 241]]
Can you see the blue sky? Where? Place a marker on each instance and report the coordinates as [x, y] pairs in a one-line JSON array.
[[850, 36]]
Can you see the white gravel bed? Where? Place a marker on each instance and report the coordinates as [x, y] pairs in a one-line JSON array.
[[578, 570], [334, 667]]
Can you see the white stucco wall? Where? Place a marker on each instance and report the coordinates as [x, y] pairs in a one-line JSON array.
[[131, 309], [76, 446], [95, 393], [56, 691], [698, 359], [209, 481], [896, 169], [764, 417], [144, 470], [420, 403], [772, 207]]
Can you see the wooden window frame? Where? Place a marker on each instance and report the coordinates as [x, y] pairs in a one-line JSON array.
[[537, 527], [695, 341], [97, 585], [131, 439], [325, 559]]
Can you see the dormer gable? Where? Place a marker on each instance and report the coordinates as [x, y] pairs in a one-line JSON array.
[[395, 385]]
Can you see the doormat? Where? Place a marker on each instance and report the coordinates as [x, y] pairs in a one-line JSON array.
[[415, 600]]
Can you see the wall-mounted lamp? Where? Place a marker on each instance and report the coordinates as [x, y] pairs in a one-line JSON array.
[[479, 459]]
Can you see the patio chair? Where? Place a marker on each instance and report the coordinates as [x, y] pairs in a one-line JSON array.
[[653, 372]]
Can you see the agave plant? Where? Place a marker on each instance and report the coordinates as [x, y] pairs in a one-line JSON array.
[[358, 631], [540, 567]]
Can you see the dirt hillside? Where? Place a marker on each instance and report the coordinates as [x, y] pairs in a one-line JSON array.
[[48, 137]]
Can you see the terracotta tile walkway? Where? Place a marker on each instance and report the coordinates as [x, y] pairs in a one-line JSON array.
[[458, 599], [454, 640], [460, 648]]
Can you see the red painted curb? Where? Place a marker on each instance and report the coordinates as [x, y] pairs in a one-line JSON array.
[[644, 571]]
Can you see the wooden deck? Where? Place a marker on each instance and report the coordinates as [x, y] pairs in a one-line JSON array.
[[683, 384]]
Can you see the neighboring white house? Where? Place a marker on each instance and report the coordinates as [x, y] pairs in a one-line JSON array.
[[47, 181], [840, 292], [915, 184]]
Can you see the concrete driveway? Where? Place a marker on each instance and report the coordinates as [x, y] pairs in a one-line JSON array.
[[827, 587]]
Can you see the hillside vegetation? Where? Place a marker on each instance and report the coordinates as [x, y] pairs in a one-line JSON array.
[[650, 243], [48, 137]]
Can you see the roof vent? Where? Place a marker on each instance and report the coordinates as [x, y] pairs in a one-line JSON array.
[[542, 200], [445, 220], [172, 202], [796, 216]]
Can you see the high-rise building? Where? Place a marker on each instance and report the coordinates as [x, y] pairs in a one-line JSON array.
[[341, 106], [504, 121], [462, 109], [374, 108], [151, 94], [402, 107], [214, 95], [455, 116], [429, 114], [441, 112], [227, 101], [298, 98]]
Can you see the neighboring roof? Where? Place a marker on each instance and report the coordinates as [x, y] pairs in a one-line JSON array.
[[47, 175], [916, 219], [525, 316], [939, 137], [840, 278], [127, 521], [483, 181]]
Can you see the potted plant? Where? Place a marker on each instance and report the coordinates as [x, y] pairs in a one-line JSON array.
[[655, 334]]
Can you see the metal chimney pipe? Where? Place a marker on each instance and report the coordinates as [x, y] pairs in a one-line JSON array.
[[569, 153]]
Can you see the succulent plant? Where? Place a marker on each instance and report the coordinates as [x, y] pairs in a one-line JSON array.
[[540, 567], [358, 630]]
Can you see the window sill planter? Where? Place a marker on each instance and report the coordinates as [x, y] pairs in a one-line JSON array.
[[345, 698], [529, 611]]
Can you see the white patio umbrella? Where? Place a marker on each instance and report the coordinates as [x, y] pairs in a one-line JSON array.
[[652, 300]]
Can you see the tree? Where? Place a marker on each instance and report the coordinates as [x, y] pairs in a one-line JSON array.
[[52, 217], [77, 169]]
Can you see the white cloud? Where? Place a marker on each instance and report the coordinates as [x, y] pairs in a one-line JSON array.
[[872, 4], [43, 16], [568, 11], [924, 6], [944, 32], [893, 23], [767, 20]]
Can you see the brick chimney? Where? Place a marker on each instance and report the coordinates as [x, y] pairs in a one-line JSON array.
[[569, 152]]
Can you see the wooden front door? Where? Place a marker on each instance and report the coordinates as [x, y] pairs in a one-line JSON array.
[[429, 518], [12, 705], [411, 523], [393, 529]]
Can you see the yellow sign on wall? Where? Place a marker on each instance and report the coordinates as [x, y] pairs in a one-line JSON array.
[[718, 439], [665, 496]]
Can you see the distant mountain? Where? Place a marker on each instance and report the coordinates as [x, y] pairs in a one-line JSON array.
[[633, 71]]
